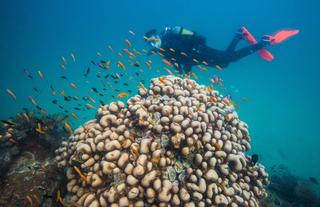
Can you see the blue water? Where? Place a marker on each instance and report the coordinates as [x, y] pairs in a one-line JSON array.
[[283, 95]]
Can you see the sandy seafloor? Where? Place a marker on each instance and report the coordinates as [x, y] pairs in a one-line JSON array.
[[283, 95]]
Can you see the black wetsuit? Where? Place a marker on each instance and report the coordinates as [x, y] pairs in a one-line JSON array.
[[185, 51]]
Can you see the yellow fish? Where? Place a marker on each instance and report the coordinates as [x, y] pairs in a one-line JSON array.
[[121, 65]]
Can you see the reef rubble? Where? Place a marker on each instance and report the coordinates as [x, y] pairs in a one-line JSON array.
[[176, 143]]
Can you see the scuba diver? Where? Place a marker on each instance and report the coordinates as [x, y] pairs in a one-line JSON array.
[[184, 48]]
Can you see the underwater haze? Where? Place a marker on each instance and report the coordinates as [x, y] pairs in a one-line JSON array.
[[282, 96]]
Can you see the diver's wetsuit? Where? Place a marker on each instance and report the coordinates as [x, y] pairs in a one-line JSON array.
[[187, 49]]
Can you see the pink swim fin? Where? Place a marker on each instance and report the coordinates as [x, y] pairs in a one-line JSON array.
[[248, 37], [282, 36], [265, 54]]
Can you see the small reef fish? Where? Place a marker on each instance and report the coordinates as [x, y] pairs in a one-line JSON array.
[[41, 74], [11, 94], [128, 43], [87, 72], [74, 116], [122, 95], [89, 106], [131, 32], [184, 54], [195, 60], [218, 67], [27, 73], [167, 62], [98, 54], [82, 176], [40, 129], [73, 57], [59, 199], [110, 48], [121, 65], [148, 64], [68, 127], [73, 85], [64, 60], [194, 75], [168, 70]]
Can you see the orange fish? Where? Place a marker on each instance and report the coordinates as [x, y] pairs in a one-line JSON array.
[[89, 106], [82, 176], [121, 65], [122, 95], [11, 94], [110, 48], [167, 62], [74, 116], [128, 43], [163, 50], [68, 127], [148, 64], [73, 85], [194, 75], [168, 70]]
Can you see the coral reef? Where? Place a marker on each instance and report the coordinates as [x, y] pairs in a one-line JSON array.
[[287, 190], [175, 144], [28, 171]]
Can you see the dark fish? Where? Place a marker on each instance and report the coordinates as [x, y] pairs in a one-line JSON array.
[[64, 77], [87, 72], [113, 96], [313, 180], [67, 98], [51, 86], [121, 75], [25, 109], [85, 98], [100, 94], [103, 62], [77, 108], [137, 74], [8, 122], [116, 82], [130, 91], [66, 111], [114, 77], [60, 107], [93, 62], [136, 64], [101, 102], [79, 104], [107, 76], [36, 90], [98, 75], [55, 101], [117, 90], [104, 89], [95, 90], [125, 84], [28, 74], [254, 159]]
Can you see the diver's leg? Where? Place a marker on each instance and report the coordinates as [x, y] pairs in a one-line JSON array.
[[236, 55], [234, 42]]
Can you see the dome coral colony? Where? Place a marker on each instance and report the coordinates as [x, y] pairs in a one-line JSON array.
[[176, 144]]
